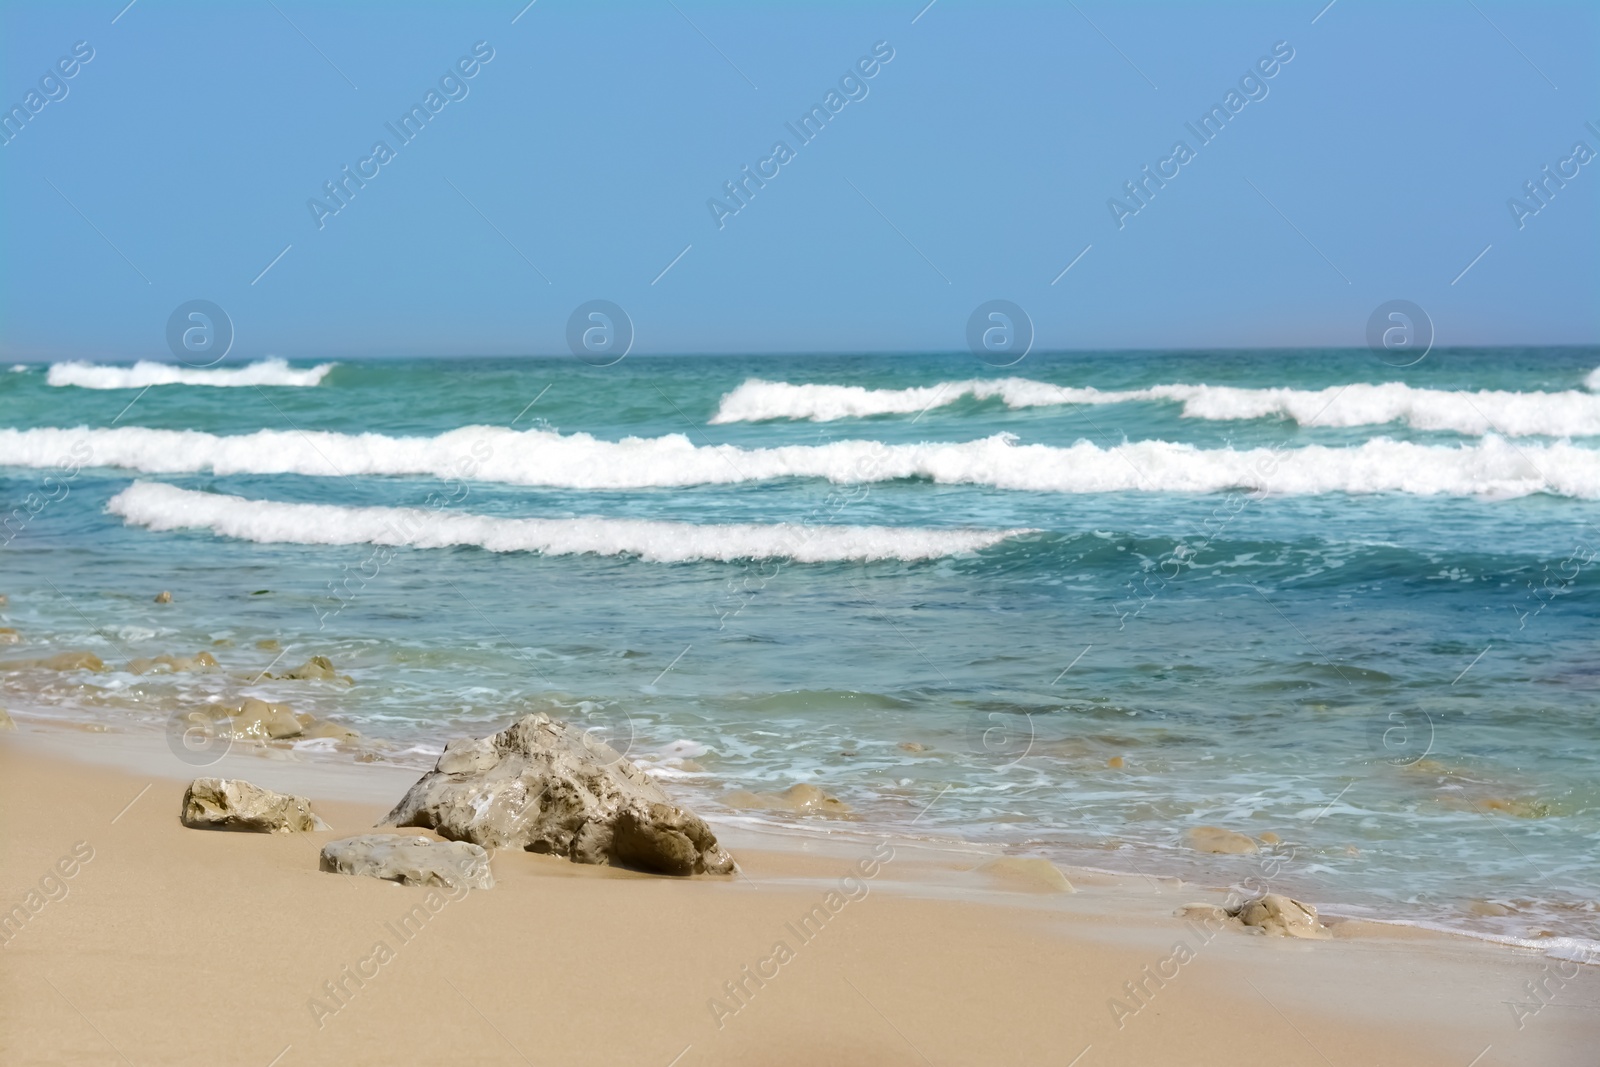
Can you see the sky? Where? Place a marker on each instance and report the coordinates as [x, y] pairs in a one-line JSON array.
[[979, 161]]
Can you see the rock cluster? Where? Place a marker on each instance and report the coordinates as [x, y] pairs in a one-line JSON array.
[[234, 804], [545, 786]]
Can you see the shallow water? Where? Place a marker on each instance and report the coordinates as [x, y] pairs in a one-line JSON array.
[[1382, 653]]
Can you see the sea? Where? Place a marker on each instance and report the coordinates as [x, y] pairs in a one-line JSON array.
[[1075, 607]]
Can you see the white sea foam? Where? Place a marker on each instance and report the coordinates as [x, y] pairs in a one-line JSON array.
[[1593, 380], [1492, 467], [145, 373], [165, 507], [1565, 414]]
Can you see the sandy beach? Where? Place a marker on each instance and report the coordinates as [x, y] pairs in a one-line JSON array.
[[178, 946]]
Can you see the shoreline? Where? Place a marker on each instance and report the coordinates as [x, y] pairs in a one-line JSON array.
[[926, 938], [333, 775]]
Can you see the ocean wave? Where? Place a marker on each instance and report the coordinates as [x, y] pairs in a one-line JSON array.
[[145, 373], [162, 507], [1513, 414], [1492, 467]]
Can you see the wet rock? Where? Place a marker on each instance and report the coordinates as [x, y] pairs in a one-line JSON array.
[[802, 799], [315, 669], [8, 636], [1216, 839], [269, 644], [1282, 916], [548, 787], [5, 720], [164, 597], [1027, 873], [913, 746], [167, 664], [1114, 763], [410, 860], [65, 661], [268, 722], [234, 804], [334, 730]]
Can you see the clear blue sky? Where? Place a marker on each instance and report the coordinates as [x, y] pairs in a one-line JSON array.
[[978, 166]]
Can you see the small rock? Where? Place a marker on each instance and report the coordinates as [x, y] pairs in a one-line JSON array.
[[1115, 763], [410, 860], [269, 644], [1282, 916], [5, 720], [329, 729], [234, 804], [1028, 872], [803, 799], [913, 746], [315, 669], [1216, 839], [1270, 838], [163, 597], [270, 722], [8, 636]]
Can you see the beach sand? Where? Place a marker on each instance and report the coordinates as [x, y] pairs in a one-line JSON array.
[[177, 946]]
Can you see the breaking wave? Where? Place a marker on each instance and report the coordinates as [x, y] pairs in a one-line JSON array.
[[1491, 467], [1513, 414], [158, 506], [145, 373]]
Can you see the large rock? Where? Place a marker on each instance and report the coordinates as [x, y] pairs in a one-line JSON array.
[[234, 804], [410, 860], [548, 787]]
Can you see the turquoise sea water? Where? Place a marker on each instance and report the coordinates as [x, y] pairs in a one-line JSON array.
[[1386, 655]]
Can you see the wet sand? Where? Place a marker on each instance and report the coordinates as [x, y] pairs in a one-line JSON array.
[[175, 946]]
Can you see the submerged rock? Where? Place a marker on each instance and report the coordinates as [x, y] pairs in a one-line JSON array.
[[1029, 873], [234, 804], [9, 636], [64, 661], [334, 730], [410, 860], [548, 787], [315, 669], [1216, 839], [269, 722], [164, 597], [168, 664], [803, 799]]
